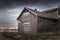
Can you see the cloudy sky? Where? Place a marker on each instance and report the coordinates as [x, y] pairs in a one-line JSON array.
[[10, 9]]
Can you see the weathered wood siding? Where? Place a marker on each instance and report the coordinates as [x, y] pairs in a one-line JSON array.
[[20, 25], [33, 23], [47, 25], [59, 24], [40, 24]]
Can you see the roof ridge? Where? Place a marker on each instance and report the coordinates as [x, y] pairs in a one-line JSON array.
[[32, 9], [49, 10], [42, 14]]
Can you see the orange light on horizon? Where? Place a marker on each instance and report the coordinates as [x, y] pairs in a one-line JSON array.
[[8, 27]]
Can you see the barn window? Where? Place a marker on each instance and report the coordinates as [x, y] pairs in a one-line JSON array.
[[26, 14], [26, 24]]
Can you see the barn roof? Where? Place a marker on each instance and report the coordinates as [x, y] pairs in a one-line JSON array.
[[45, 14]]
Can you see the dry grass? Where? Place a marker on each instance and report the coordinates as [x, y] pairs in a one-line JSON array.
[[26, 36]]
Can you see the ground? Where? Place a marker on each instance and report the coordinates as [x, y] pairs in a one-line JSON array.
[[28, 36]]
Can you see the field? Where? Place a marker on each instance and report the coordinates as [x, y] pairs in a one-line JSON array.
[[28, 36]]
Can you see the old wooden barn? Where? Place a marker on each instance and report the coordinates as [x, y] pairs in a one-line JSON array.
[[33, 21]]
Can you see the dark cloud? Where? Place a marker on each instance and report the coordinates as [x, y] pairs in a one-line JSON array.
[[10, 8], [15, 3]]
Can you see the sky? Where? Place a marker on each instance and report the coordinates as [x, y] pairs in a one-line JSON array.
[[10, 9]]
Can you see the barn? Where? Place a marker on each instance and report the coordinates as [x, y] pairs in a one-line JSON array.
[[33, 21]]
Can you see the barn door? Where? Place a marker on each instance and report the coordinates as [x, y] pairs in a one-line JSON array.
[[55, 25]]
